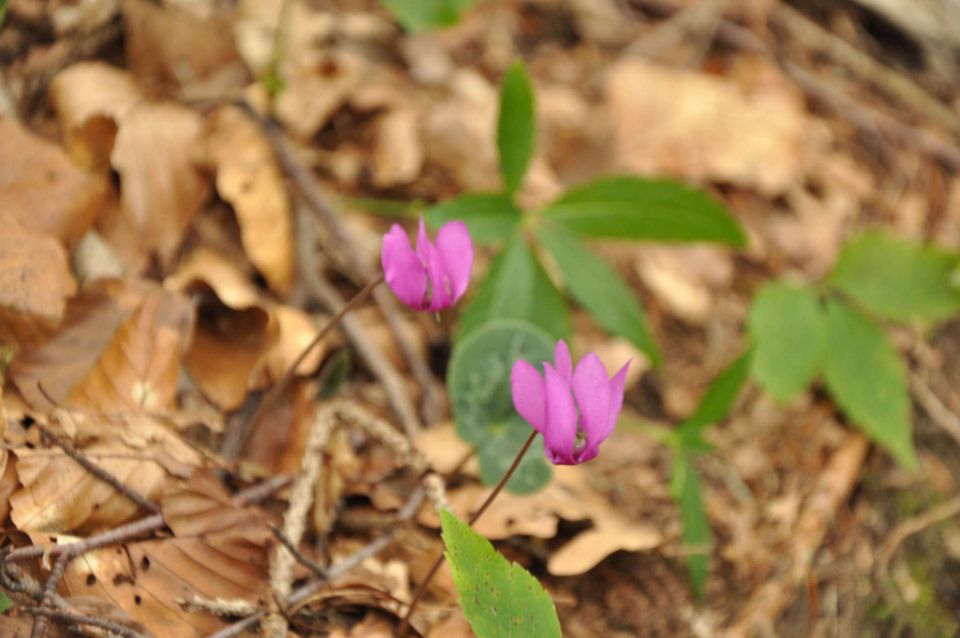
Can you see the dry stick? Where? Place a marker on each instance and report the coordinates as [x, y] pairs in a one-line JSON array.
[[313, 195], [308, 589], [60, 615], [281, 386], [405, 621], [49, 589], [96, 470]]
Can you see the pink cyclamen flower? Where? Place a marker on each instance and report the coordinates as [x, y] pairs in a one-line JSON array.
[[574, 409], [433, 277]]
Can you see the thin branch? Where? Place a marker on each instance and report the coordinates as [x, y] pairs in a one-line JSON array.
[[72, 618], [98, 471]]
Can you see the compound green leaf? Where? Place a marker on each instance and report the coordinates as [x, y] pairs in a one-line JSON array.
[[500, 599], [599, 288], [516, 126], [867, 379], [638, 208], [899, 279], [424, 15], [788, 328], [516, 287], [490, 217]]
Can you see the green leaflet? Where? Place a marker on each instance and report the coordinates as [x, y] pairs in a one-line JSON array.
[[516, 126]]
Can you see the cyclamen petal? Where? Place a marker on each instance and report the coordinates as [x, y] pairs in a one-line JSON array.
[[433, 277], [402, 268], [567, 400]]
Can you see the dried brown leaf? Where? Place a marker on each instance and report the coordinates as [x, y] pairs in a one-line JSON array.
[[138, 369], [249, 178], [35, 282], [59, 496], [172, 46], [398, 152], [42, 189], [160, 188], [218, 550], [707, 128]]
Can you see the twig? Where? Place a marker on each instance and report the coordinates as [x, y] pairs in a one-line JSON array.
[[908, 528], [301, 558], [934, 407], [832, 490], [888, 80], [73, 618], [421, 590], [313, 195], [308, 589], [49, 589], [294, 522], [98, 471]]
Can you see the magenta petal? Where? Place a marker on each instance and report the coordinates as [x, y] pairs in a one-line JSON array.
[[402, 269], [560, 430], [440, 297], [592, 391], [616, 400], [456, 251], [561, 359], [526, 385]]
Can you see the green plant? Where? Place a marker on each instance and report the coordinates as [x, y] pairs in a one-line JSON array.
[[424, 15], [835, 331], [621, 208]]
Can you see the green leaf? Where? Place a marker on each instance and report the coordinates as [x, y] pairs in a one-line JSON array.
[[334, 373], [496, 455], [5, 603], [599, 288], [867, 379], [500, 599], [424, 15], [516, 126], [3, 11], [489, 217], [479, 376], [898, 279], [688, 493], [516, 287], [787, 325], [638, 208]]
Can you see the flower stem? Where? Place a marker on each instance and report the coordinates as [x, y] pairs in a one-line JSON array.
[[405, 621]]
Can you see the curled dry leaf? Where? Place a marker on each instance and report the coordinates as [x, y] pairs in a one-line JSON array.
[[35, 282], [60, 496], [90, 99], [218, 550], [236, 323], [138, 369], [42, 190], [249, 178], [707, 128]]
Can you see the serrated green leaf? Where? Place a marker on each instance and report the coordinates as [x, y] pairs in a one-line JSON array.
[[478, 379], [898, 279], [638, 208], [788, 328], [516, 126], [489, 217], [867, 379], [599, 288], [500, 599], [501, 447], [516, 287], [688, 493], [424, 15]]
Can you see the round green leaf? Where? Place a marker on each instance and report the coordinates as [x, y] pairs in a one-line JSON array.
[[496, 455], [479, 376]]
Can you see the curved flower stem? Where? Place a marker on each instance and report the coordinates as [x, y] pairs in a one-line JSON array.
[[405, 621], [287, 378]]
